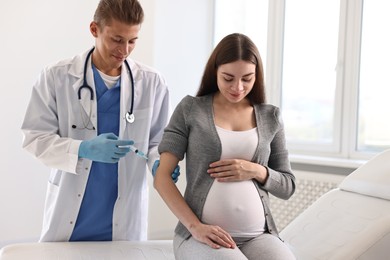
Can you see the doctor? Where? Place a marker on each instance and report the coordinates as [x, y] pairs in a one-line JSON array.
[[83, 114]]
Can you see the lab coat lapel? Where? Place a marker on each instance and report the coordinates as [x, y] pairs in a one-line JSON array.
[[77, 70]]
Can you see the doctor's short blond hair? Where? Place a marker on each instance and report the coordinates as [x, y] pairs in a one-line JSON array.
[[126, 11]]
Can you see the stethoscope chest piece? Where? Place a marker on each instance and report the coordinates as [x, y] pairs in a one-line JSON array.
[[130, 117]]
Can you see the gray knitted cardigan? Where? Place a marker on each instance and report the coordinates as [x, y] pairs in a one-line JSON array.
[[191, 132]]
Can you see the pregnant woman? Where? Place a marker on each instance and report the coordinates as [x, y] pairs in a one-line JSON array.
[[234, 145]]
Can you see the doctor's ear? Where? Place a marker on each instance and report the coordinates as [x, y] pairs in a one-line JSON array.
[[93, 27]]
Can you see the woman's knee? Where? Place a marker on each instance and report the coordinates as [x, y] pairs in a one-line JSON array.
[[267, 246]]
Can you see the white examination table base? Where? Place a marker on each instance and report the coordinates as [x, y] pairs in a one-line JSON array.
[[116, 250]]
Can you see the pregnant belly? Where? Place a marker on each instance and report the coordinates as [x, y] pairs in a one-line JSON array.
[[236, 207]]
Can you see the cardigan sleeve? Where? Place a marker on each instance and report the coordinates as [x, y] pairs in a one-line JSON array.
[[175, 137], [280, 181]]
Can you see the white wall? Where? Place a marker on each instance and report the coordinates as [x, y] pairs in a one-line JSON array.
[[183, 33], [175, 38]]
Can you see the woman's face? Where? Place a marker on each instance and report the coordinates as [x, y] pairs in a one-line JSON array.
[[235, 80]]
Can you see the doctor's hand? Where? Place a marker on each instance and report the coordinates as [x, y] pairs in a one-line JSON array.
[[104, 148], [237, 170], [213, 236], [175, 174]]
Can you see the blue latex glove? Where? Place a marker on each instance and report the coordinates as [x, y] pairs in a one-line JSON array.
[[175, 174], [104, 148]]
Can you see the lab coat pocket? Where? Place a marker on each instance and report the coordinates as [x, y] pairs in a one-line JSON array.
[[139, 131], [81, 121]]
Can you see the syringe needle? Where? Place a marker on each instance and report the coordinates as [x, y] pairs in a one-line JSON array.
[[135, 150], [141, 154]]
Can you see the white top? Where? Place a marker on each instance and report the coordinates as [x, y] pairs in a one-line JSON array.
[[110, 81], [236, 206]]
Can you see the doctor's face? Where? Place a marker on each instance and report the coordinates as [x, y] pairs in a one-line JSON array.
[[113, 44]]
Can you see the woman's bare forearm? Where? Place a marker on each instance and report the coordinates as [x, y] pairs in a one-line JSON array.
[[170, 193]]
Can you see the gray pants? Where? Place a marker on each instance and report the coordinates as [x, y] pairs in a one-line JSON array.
[[263, 247]]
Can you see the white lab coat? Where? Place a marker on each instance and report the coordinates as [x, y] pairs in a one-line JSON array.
[[48, 135]]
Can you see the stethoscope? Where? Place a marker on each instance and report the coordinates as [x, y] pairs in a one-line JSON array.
[[129, 114]]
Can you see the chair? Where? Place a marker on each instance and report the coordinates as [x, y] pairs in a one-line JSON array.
[[349, 222]]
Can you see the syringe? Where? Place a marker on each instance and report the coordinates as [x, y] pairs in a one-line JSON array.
[[135, 150]]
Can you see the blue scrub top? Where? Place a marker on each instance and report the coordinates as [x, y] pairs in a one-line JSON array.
[[94, 222]]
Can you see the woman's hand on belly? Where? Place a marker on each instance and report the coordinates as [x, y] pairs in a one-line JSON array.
[[229, 170], [214, 236]]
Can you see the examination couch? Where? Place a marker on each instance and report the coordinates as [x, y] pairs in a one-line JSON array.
[[349, 222], [117, 250]]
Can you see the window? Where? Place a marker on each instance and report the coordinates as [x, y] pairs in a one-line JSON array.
[[326, 68], [373, 131], [309, 77]]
